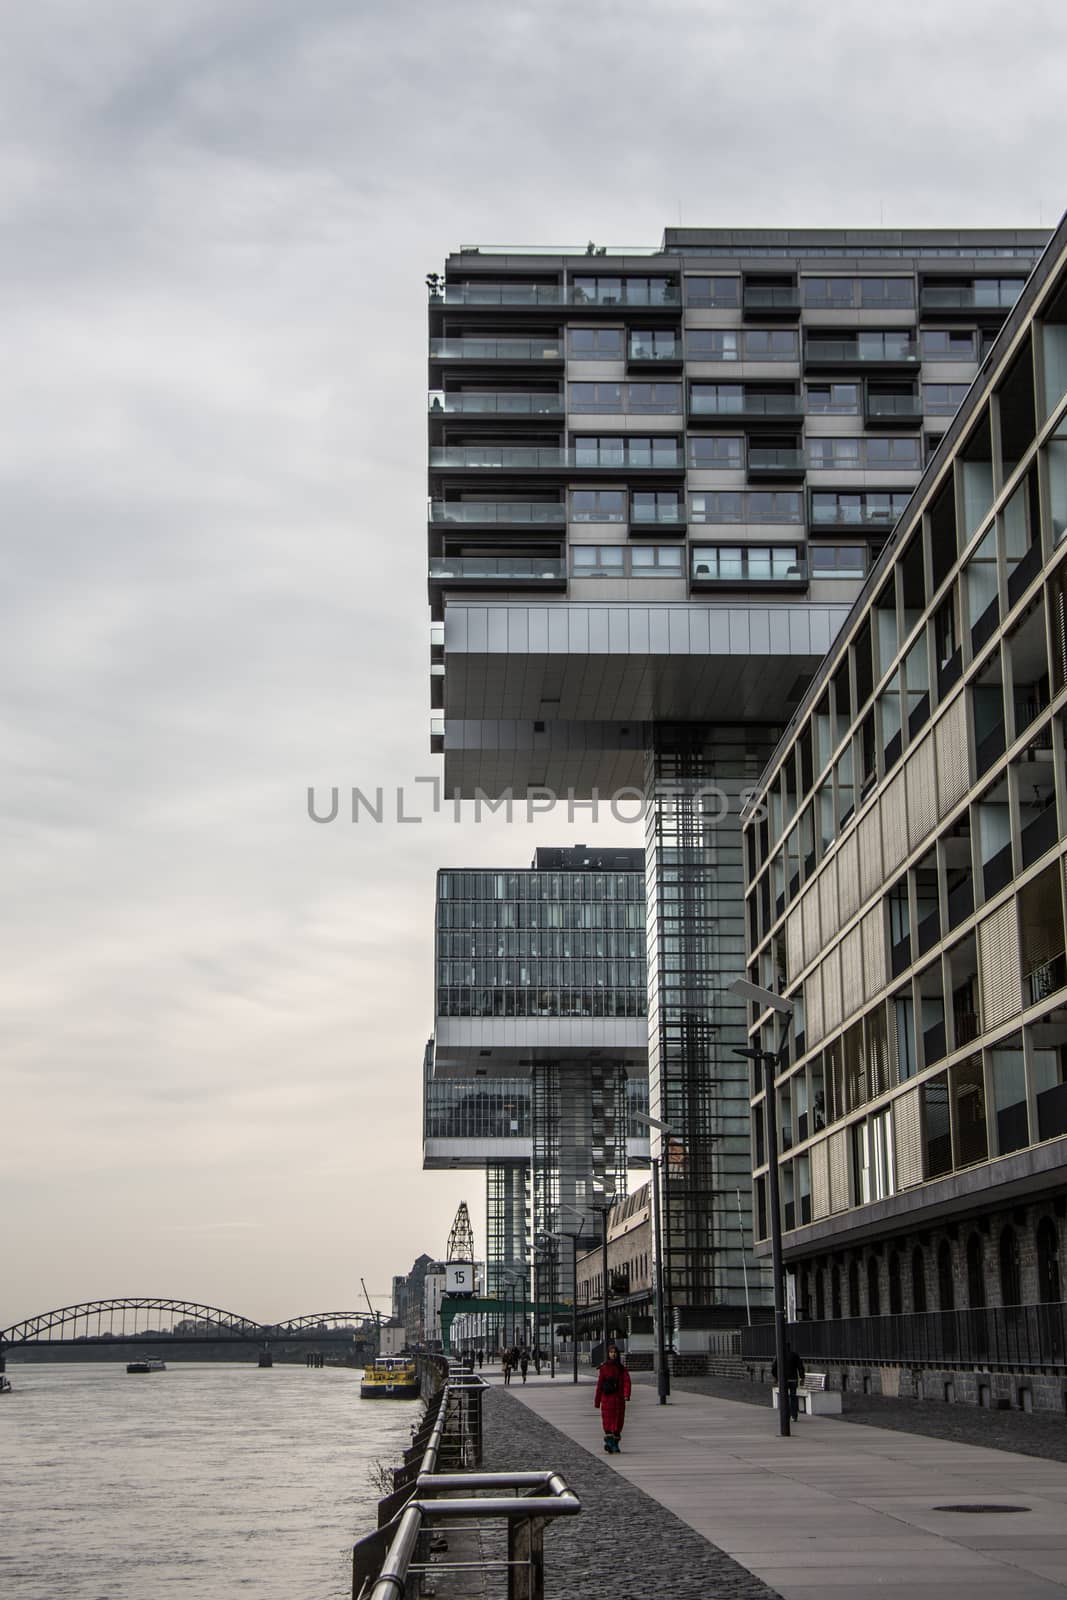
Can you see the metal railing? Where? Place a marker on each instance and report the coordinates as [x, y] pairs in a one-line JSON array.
[[1008, 1336], [426, 1500]]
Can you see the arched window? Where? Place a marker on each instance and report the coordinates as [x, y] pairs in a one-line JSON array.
[[1011, 1292], [975, 1272], [1048, 1262], [853, 1289], [835, 1291], [946, 1289], [918, 1279], [896, 1303], [874, 1306], [820, 1295]]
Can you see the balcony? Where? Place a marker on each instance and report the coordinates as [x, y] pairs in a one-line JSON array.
[[765, 463], [505, 405], [892, 410], [777, 301], [960, 300], [498, 513], [657, 518], [656, 355], [515, 352], [747, 567], [668, 297], [501, 458], [862, 354], [747, 407], [499, 294], [880, 518], [541, 572]]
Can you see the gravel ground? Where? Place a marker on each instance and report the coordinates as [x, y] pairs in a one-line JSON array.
[[1034, 1433], [623, 1544]]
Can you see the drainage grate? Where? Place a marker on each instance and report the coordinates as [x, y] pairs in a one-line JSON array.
[[982, 1508]]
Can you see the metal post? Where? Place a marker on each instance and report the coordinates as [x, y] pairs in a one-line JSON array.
[[552, 1308], [744, 1257], [771, 1064], [604, 1271], [574, 1306], [661, 1332]]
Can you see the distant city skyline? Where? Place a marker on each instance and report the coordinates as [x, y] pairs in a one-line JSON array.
[[218, 225]]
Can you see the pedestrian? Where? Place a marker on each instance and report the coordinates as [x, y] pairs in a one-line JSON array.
[[794, 1375], [524, 1362], [506, 1363], [481, 1357], [612, 1393]]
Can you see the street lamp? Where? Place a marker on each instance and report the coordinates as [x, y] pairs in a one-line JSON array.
[[574, 1239], [663, 1380], [772, 1062]]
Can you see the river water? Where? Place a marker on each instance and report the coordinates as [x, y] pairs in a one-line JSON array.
[[205, 1481]]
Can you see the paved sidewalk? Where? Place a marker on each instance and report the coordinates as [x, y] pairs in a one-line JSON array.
[[850, 1509]]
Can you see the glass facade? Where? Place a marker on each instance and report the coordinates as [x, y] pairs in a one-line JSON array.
[[541, 944]]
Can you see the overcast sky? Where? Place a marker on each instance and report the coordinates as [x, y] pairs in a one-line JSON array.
[[217, 220]]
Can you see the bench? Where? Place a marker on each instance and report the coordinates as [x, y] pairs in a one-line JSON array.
[[813, 1397]]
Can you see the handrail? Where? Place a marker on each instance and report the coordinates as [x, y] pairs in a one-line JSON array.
[[534, 1497]]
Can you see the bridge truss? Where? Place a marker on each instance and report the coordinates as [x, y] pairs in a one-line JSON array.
[[138, 1316]]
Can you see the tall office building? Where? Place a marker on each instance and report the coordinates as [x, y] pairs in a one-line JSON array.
[[657, 481], [907, 861], [540, 1047]]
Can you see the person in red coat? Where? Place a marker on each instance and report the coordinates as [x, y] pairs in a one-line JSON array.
[[612, 1393]]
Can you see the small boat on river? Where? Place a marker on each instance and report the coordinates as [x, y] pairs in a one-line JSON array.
[[390, 1378], [146, 1364]]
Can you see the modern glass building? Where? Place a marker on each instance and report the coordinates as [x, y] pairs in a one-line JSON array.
[[657, 481], [906, 863], [540, 1044]]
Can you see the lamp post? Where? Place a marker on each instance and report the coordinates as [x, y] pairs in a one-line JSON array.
[[772, 1062], [574, 1238], [663, 1380]]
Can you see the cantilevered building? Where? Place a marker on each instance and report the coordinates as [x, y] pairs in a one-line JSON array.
[[906, 867], [657, 481], [540, 1044]]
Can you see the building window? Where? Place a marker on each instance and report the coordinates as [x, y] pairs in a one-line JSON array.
[[716, 293], [946, 1288], [598, 505], [1011, 1293], [829, 294], [918, 1280], [746, 563], [717, 451], [657, 561], [975, 1273], [591, 397], [853, 1289], [834, 399], [841, 453], [898, 455], [1048, 1263], [713, 344], [596, 344], [609, 450], [872, 508], [943, 399], [948, 344], [613, 291], [770, 344], [755, 505], [838, 560], [598, 561], [658, 398]]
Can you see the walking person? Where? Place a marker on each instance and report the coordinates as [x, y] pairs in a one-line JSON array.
[[524, 1362], [612, 1393], [506, 1364], [794, 1375]]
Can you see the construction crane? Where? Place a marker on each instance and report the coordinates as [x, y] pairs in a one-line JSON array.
[[461, 1239]]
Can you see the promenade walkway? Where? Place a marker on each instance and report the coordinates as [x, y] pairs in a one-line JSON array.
[[838, 1509]]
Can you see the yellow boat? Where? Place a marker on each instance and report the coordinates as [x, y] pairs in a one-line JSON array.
[[390, 1378]]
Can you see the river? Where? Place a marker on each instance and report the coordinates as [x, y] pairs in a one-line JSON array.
[[205, 1481]]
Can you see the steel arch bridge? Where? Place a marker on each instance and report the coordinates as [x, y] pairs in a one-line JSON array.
[[124, 1319]]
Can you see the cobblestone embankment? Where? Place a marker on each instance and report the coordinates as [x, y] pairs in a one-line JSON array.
[[1034, 1433], [623, 1546]]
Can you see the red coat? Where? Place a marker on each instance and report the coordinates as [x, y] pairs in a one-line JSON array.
[[612, 1406]]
